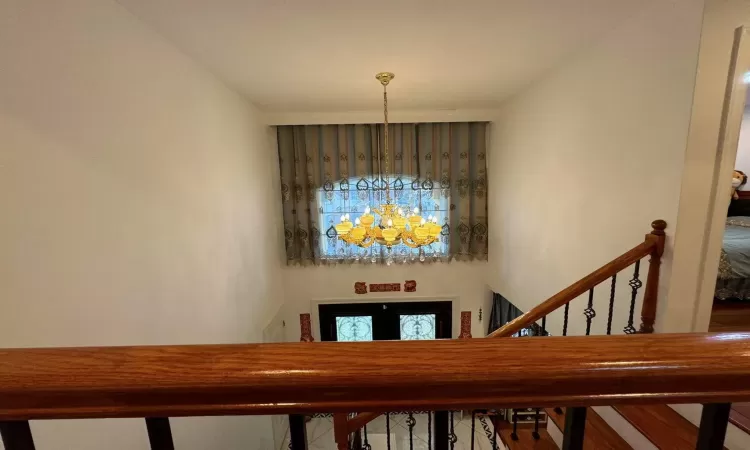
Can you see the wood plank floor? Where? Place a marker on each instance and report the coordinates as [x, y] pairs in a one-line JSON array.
[[727, 316], [598, 435], [525, 440]]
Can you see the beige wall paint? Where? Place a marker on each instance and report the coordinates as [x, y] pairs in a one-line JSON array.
[[138, 204], [698, 242], [583, 160]]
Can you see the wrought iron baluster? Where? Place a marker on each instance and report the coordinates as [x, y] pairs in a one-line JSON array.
[[410, 421], [366, 444], [429, 430], [452, 436], [160, 433], [713, 429], [16, 435], [442, 439], [611, 304], [514, 419], [473, 427], [565, 320], [575, 426], [388, 430], [494, 433], [635, 284], [535, 433], [544, 326], [589, 312]]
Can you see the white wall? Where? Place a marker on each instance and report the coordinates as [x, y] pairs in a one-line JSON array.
[[138, 204], [607, 129], [743, 148], [462, 281]]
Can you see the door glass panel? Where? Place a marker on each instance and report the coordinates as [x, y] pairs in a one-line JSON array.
[[417, 326], [354, 328]]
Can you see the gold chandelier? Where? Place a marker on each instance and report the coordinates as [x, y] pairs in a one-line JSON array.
[[392, 227]]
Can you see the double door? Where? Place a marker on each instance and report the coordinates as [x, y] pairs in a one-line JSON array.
[[382, 321]]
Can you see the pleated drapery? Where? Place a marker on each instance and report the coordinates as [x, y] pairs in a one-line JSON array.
[[330, 170]]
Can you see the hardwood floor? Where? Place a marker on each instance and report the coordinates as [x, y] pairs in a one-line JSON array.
[[525, 440], [598, 435], [730, 316]]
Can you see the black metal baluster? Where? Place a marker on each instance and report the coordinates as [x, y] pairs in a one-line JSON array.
[[589, 312], [297, 432], [575, 426], [16, 435], [367, 444], [535, 433], [611, 304], [713, 430], [452, 437], [441, 430], [473, 427], [411, 422], [565, 320], [388, 430], [429, 430], [635, 284], [160, 433], [494, 433], [514, 419], [544, 326]]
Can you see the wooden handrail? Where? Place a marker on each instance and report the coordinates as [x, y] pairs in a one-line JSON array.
[[652, 245], [372, 376]]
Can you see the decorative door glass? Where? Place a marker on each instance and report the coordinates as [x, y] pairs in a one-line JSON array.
[[354, 328], [417, 326]]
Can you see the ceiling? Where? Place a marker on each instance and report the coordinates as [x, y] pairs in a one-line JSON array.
[[322, 55]]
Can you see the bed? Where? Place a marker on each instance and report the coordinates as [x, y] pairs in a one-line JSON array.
[[733, 280]]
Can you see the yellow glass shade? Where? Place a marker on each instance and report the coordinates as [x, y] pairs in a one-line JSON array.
[[421, 233], [367, 220], [378, 232], [342, 229], [399, 223], [435, 230], [390, 234], [358, 233], [414, 221]]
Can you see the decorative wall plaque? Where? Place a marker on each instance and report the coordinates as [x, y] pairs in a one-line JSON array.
[[465, 325], [305, 328], [410, 286], [385, 287], [360, 287]]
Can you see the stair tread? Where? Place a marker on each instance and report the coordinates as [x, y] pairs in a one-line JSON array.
[[526, 441], [598, 434], [662, 425]]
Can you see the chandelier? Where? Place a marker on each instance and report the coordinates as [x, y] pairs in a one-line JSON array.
[[388, 225]]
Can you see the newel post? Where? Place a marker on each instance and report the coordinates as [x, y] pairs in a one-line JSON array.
[[648, 308]]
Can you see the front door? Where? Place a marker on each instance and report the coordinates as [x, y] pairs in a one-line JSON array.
[[383, 321]]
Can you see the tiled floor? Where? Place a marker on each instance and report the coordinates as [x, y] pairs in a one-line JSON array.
[[320, 433]]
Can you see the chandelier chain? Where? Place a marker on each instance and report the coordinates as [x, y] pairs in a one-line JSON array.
[[385, 121]]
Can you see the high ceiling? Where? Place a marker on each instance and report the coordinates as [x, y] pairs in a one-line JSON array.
[[322, 55]]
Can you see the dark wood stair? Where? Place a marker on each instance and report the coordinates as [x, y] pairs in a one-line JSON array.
[[662, 425], [525, 440], [598, 435]]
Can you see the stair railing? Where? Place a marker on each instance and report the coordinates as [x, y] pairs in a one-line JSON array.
[[157, 382], [652, 245]]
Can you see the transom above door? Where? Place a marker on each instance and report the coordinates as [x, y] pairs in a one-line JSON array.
[[380, 321]]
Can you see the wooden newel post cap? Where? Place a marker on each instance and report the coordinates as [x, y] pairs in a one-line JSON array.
[[658, 227]]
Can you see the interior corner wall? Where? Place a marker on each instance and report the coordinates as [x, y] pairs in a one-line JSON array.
[[584, 159], [136, 192]]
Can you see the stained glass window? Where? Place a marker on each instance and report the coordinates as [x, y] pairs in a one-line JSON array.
[[354, 329], [417, 327], [355, 194]]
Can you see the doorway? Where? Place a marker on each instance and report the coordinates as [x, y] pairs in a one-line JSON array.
[[385, 321]]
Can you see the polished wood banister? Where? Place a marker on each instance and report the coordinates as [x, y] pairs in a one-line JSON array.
[[652, 245], [372, 376]]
